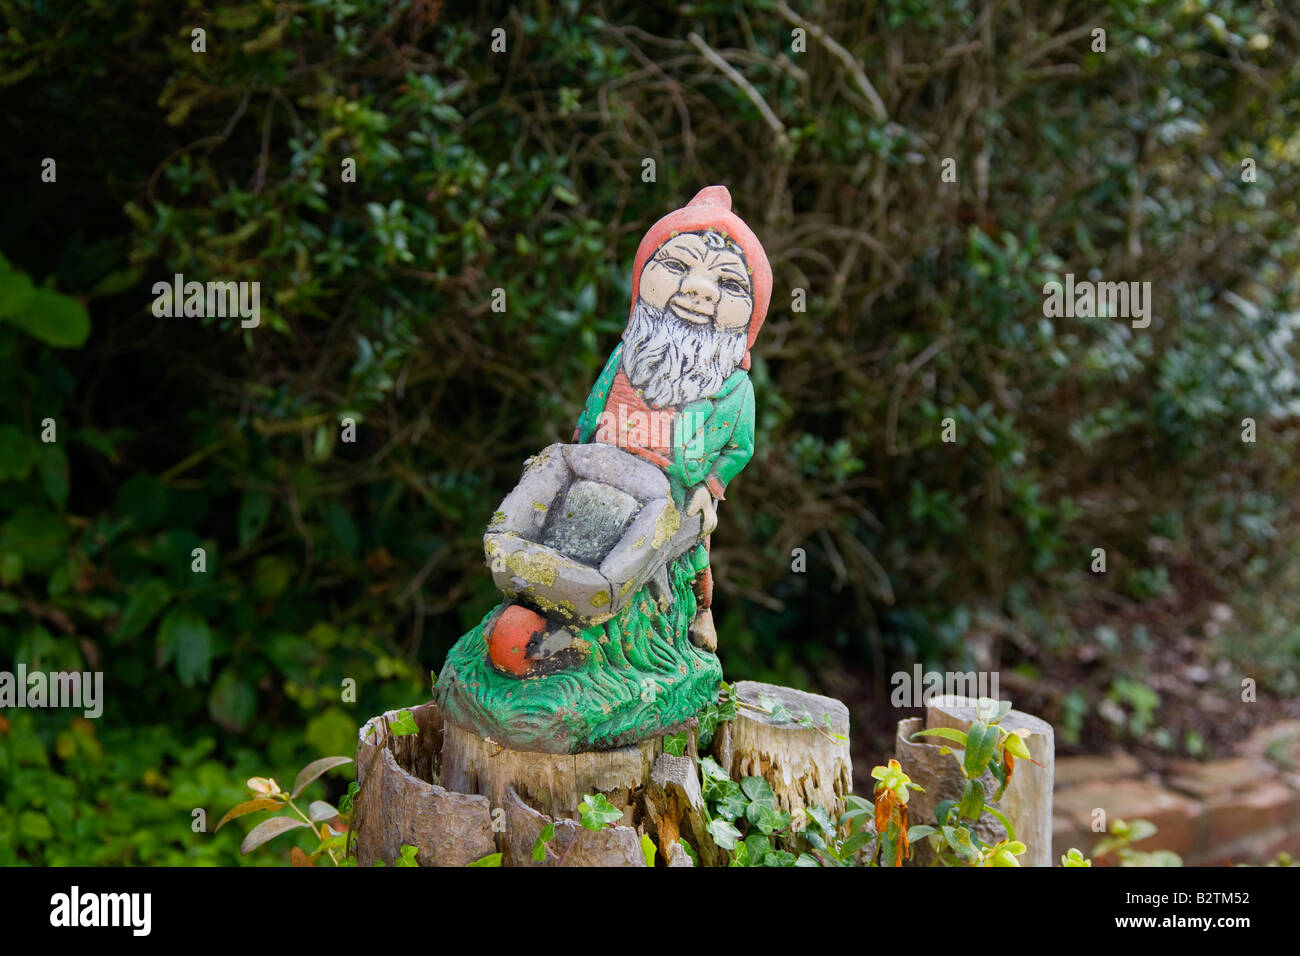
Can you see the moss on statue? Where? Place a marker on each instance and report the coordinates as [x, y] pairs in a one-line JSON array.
[[640, 675]]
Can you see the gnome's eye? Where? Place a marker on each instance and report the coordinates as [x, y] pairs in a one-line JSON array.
[[734, 287], [673, 265]]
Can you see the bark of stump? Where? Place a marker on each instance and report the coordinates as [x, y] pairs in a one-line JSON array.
[[805, 767], [1027, 801], [553, 784], [401, 802]]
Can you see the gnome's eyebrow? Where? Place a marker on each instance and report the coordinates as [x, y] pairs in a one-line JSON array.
[[733, 272], [694, 249]]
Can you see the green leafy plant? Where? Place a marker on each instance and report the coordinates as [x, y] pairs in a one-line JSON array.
[[595, 812], [325, 821], [892, 791], [330, 825], [987, 746], [1074, 857]]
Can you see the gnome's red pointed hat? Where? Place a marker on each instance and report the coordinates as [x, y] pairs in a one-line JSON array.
[[711, 209]]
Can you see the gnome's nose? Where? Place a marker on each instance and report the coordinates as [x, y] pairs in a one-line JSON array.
[[701, 289]]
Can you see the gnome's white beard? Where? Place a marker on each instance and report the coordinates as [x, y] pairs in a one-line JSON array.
[[674, 362]]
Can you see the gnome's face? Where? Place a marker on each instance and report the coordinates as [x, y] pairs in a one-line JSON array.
[[688, 328], [702, 280]]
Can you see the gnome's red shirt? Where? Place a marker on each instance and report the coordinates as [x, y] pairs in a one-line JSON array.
[[634, 426]]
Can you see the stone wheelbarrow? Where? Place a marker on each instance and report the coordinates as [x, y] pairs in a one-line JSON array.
[[586, 528]]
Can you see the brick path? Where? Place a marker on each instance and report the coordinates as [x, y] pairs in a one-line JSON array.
[[1242, 809]]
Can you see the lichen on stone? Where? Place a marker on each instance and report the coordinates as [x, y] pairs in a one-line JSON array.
[[533, 566], [666, 526]]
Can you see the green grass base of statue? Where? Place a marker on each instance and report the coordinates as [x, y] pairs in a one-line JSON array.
[[640, 676]]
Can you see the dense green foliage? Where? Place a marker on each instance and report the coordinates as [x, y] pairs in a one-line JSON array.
[[522, 170]]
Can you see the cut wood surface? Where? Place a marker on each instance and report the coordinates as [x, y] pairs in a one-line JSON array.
[[806, 767]]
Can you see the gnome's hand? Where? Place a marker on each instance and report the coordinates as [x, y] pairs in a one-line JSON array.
[[702, 502]]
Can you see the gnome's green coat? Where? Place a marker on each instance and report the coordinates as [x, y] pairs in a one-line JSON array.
[[713, 438]]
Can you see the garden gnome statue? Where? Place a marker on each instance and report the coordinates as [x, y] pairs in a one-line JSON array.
[[606, 635]]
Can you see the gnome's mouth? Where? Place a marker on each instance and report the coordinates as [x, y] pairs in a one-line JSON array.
[[687, 314]]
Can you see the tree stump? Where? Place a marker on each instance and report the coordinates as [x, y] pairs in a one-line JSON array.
[[1027, 802], [401, 802], [805, 766], [552, 783], [458, 797]]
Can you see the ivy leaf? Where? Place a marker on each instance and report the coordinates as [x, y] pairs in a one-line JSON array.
[[823, 820], [727, 799], [648, 849], [759, 846], [711, 771], [408, 856], [759, 791], [402, 724], [779, 712], [741, 856], [675, 745], [348, 801], [724, 834], [492, 859], [543, 838], [598, 813], [764, 817]]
